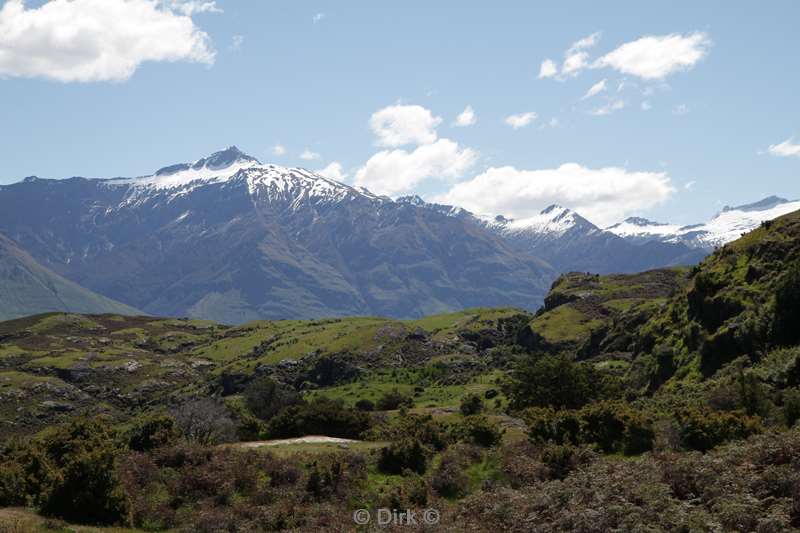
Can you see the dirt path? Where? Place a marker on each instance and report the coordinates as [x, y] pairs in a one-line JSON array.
[[308, 439]]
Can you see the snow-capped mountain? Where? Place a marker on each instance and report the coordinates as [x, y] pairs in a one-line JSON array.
[[232, 239], [570, 242], [726, 226]]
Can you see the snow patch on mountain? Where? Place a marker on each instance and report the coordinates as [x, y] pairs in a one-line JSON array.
[[726, 226], [553, 222]]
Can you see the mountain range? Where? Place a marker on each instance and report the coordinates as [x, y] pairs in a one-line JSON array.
[[231, 239]]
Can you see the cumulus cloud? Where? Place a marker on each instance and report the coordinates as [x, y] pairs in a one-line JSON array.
[[97, 40], [652, 57], [279, 150], [333, 171], [604, 195], [520, 120], [646, 106], [548, 69], [318, 17], [466, 118], [399, 125], [787, 148], [597, 88], [190, 7], [308, 155], [393, 172], [656, 57], [610, 107], [576, 58]]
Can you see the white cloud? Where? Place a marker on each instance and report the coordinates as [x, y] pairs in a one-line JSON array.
[[604, 195], [520, 120], [787, 148], [574, 63], [548, 69], [689, 185], [575, 59], [333, 171], [95, 40], [466, 118], [597, 88], [236, 42], [656, 57], [318, 17], [279, 150], [680, 109], [393, 172], [587, 42], [308, 155], [646, 106], [190, 7], [610, 107], [399, 125]]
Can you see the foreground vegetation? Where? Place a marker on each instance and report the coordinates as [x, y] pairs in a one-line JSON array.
[[661, 401]]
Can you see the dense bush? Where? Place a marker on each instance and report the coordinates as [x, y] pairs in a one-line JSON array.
[[265, 398], [392, 400], [70, 473], [612, 426], [785, 328], [471, 404], [152, 432], [791, 406], [407, 454], [703, 430], [478, 430], [552, 381], [365, 405], [322, 416]]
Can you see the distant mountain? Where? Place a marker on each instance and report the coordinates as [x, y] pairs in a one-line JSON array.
[[570, 242], [230, 239], [726, 226], [26, 288]]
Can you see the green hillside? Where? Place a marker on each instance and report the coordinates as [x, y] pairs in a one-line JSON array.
[[28, 288], [667, 400]]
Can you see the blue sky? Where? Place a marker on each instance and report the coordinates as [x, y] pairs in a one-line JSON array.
[[308, 76]]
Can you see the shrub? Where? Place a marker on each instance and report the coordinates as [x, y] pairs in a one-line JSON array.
[[205, 421], [552, 381], [791, 406], [320, 417], [449, 479], [561, 459], [407, 454], [86, 488], [478, 430], [153, 432], [394, 399], [471, 404], [265, 398], [365, 405], [703, 430], [612, 426], [787, 308]]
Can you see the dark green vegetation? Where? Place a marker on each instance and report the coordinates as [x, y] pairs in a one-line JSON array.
[[661, 401], [27, 287]]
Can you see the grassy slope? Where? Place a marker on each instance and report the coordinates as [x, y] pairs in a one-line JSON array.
[[27, 288], [57, 365]]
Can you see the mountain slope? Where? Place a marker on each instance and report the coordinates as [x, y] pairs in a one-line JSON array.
[[726, 226], [569, 242], [230, 239], [27, 288]]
